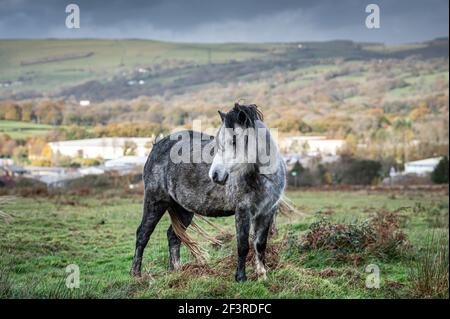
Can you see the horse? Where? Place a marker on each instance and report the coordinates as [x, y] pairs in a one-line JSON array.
[[234, 181]]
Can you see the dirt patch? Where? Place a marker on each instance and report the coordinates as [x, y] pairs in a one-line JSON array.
[[197, 270], [394, 285]]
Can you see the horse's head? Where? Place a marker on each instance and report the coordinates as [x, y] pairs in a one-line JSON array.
[[237, 143]]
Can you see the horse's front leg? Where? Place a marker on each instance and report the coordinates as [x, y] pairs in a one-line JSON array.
[[261, 226], [242, 232]]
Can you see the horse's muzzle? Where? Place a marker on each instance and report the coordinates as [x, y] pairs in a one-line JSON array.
[[219, 180]]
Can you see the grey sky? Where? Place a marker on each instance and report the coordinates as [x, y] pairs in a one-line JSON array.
[[227, 20]]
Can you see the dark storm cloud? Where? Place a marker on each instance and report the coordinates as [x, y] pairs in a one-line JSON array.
[[227, 21]]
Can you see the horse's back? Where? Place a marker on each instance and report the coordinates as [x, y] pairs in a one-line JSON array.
[[185, 182]]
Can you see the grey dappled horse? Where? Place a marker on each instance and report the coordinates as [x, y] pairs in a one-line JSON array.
[[230, 185]]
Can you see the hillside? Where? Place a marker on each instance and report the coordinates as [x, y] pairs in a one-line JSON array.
[[386, 101], [110, 69]]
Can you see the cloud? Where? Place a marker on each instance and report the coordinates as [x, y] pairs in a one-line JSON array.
[[227, 21]]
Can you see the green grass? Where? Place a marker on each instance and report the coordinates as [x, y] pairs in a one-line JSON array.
[[109, 58], [17, 129], [97, 233]]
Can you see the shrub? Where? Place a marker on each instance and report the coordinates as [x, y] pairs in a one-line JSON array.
[[379, 236], [355, 171], [440, 172], [390, 241], [92, 181], [308, 176], [99, 183], [25, 187], [429, 271]]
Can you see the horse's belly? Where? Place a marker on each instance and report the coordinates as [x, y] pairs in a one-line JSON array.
[[204, 203], [191, 188]]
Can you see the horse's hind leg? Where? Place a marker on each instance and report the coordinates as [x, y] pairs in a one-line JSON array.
[[153, 212], [262, 225], [242, 232], [174, 242]]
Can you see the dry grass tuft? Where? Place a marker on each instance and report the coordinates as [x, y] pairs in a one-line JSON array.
[[4, 216], [429, 272], [380, 236]]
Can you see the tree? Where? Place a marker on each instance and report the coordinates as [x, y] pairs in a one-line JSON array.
[[49, 112], [27, 112], [7, 145], [356, 171], [351, 145], [11, 111], [35, 147], [440, 172], [403, 129]]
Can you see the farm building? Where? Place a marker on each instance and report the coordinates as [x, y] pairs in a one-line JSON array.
[[421, 167], [311, 145], [126, 161], [106, 148]]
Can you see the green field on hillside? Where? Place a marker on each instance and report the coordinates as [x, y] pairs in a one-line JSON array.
[[109, 58], [16, 129], [41, 236], [51, 65]]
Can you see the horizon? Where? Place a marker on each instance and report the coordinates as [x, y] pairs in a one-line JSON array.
[[221, 43]]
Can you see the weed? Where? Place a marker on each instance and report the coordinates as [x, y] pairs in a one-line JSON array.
[[379, 236], [429, 270]]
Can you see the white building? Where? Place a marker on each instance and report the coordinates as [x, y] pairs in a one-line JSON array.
[[311, 145], [106, 148], [126, 161], [6, 162], [85, 103], [421, 167]]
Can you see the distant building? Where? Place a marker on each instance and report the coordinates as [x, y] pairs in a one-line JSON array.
[[126, 161], [7, 167], [311, 145], [106, 148], [85, 102], [6, 162], [421, 167], [92, 170]]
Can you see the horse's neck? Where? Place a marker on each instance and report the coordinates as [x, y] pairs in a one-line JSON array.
[[244, 184]]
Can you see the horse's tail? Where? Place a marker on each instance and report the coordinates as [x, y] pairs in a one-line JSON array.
[[287, 208], [192, 245]]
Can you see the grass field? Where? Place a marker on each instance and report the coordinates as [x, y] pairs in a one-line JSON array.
[[108, 58], [16, 129], [47, 65], [41, 236]]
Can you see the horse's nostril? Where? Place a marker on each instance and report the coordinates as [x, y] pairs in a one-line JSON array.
[[215, 176]]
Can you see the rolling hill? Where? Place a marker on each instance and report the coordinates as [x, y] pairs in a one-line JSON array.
[[110, 69]]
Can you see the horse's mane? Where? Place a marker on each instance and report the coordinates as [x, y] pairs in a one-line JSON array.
[[243, 115]]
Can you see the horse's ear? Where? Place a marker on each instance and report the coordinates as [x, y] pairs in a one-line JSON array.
[[222, 115]]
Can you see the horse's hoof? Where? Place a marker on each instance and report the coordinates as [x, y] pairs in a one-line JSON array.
[[175, 266], [135, 273], [240, 278], [262, 277]]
